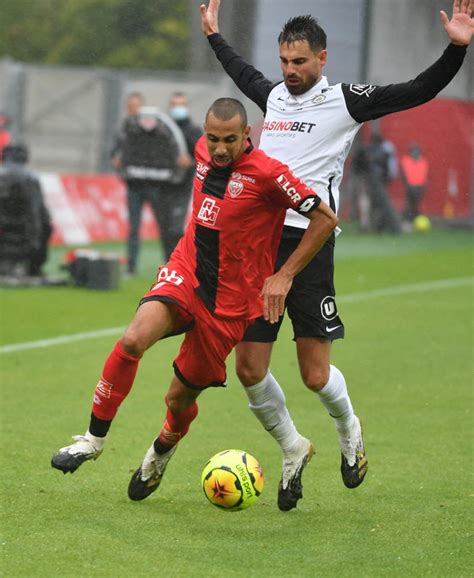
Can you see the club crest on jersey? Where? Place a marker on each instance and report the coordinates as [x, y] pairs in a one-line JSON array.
[[235, 188], [362, 89], [319, 99], [208, 211]]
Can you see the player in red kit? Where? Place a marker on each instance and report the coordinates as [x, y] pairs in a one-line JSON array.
[[216, 283]]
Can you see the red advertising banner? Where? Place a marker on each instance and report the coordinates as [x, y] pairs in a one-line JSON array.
[[88, 208], [444, 129]]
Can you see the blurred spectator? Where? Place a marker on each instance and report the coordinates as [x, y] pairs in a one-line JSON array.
[[133, 104], [414, 172], [150, 158], [359, 187], [5, 136], [25, 223], [380, 173], [178, 109]]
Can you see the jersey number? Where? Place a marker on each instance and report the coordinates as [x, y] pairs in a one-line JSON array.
[[167, 276]]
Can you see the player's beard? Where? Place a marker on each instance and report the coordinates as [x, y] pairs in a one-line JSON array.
[[302, 86], [297, 89]]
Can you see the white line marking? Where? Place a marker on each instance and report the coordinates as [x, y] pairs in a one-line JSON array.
[[350, 298], [60, 340], [404, 289]]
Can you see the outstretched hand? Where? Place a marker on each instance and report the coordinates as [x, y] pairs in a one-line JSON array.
[[209, 17], [461, 25]]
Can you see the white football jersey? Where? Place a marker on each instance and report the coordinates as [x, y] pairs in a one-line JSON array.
[[311, 133]]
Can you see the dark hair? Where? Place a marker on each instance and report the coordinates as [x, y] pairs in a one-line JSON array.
[[227, 108], [301, 28]]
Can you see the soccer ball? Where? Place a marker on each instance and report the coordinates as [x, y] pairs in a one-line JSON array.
[[421, 224], [232, 480]]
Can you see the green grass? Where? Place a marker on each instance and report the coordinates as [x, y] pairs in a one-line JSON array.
[[407, 359]]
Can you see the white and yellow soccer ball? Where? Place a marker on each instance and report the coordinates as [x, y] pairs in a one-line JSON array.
[[232, 480], [421, 224]]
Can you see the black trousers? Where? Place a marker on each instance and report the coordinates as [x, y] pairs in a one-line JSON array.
[[169, 204]]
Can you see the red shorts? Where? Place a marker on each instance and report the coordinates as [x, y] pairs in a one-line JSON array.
[[209, 339]]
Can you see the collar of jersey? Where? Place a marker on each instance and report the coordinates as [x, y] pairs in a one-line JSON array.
[[310, 94]]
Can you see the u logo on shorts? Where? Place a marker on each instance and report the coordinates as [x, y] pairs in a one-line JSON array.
[[328, 308]]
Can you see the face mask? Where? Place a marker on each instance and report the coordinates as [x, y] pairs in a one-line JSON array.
[[179, 112]]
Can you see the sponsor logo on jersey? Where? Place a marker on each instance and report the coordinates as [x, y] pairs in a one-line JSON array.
[[202, 169], [288, 126], [235, 188], [208, 211], [328, 308], [362, 89], [241, 177], [284, 185]]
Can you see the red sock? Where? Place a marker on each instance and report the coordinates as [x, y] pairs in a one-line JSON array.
[[176, 426], [116, 382]]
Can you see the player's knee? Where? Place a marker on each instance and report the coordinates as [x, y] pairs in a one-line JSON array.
[[316, 377], [178, 403], [175, 404], [133, 343], [249, 373]]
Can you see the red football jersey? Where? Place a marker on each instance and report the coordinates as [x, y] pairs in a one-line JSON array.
[[231, 241]]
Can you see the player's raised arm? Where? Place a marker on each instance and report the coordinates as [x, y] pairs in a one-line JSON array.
[[461, 26], [323, 221], [247, 78], [210, 17]]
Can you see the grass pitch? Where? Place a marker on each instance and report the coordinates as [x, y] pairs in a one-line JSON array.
[[407, 357]]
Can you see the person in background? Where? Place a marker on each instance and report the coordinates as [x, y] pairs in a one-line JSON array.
[[178, 109], [5, 135], [383, 216], [359, 187], [414, 173], [148, 157], [25, 222]]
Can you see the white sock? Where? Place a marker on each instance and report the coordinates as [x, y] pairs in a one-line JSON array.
[[336, 400], [98, 443], [267, 401]]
